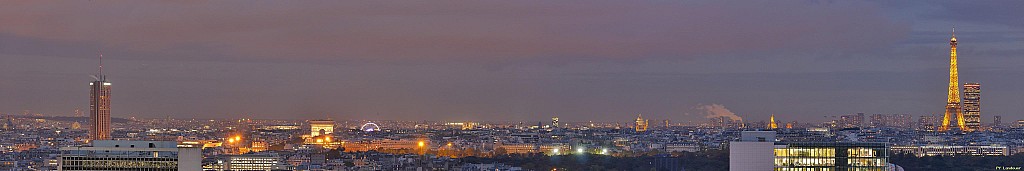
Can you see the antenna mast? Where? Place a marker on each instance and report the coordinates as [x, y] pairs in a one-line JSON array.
[[101, 61]]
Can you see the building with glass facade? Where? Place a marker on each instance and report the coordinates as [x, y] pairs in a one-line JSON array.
[[831, 156], [255, 162], [760, 150], [972, 106], [131, 155], [955, 150]]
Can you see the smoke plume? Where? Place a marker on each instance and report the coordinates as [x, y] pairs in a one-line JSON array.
[[717, 110]]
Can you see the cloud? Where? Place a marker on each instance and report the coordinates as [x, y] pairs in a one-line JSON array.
[[717, 110], [497, 31]]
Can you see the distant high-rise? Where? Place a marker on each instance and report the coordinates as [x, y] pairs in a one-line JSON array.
[[861, 120], [891, 120], [972, 106], [554, 122], [772, 125], [997, 121], [851, 121], [99, 106], [953, 96], [926, 123]]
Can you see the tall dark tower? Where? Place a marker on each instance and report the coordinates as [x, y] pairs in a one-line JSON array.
[[99, 106], [972, 106], [953, 98]]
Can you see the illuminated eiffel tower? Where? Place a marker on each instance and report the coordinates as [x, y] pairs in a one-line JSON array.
[[953, 99]]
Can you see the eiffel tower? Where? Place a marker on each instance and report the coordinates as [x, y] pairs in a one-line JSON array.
[[953, 99]]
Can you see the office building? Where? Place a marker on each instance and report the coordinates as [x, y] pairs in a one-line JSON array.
[[253, 162], [757, 151], [946, 150], [99, 106], [554, 122], [861, 156], [131, 155], [753, 152], [972, 106]]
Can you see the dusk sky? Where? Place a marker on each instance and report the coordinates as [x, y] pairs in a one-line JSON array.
[[588, 60]]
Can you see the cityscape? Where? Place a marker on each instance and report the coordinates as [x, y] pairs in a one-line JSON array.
[[511, 86]]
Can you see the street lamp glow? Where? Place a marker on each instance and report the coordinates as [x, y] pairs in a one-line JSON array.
[[421, 144], [580, 150], [555, 151], [604, 151]]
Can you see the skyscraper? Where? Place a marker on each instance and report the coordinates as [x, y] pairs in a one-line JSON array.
[[772, 125], [953, 96], [972, 106], [99, 106]]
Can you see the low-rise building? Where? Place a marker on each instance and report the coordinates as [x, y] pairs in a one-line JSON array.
[[948, 150]]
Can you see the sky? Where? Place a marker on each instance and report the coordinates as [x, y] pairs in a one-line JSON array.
[[587, 60]]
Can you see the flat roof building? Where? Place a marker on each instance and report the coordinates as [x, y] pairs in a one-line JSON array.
[[131, 155], [947, 150], [246, 162], [759, 151]]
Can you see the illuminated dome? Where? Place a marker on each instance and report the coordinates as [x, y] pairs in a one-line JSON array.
[[369, 127]]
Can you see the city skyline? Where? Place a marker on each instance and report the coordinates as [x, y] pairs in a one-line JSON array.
[[869, 58], [525, 85]]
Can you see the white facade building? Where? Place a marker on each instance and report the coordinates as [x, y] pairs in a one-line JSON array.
[[131, 155]]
